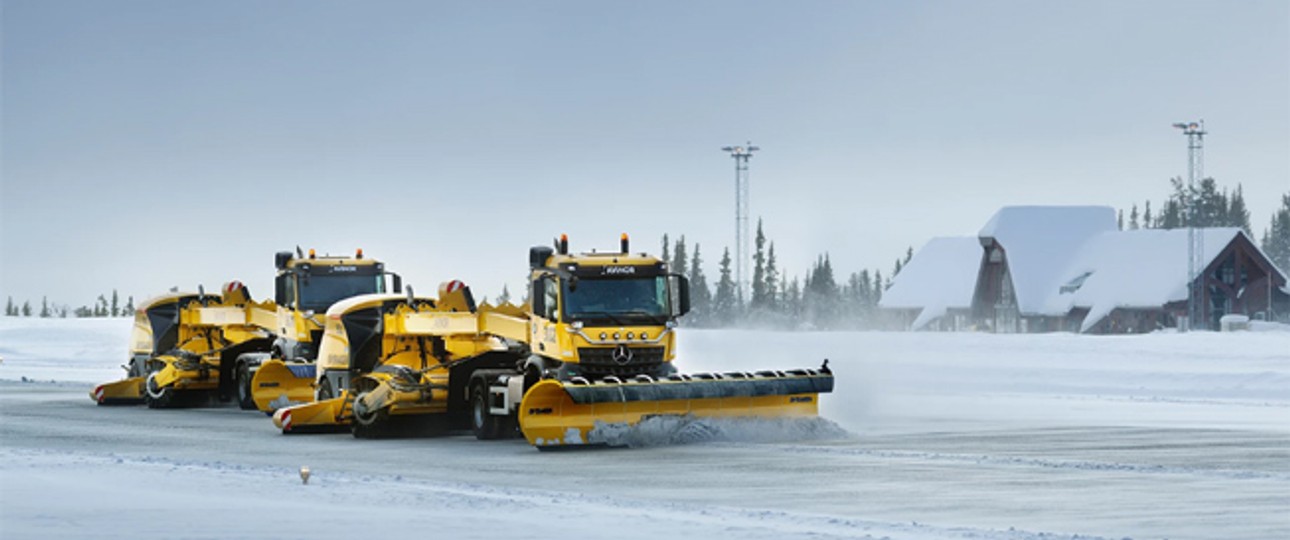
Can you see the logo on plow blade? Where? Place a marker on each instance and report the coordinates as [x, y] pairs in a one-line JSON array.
[[536, 411], [800, 399], [622, 354]]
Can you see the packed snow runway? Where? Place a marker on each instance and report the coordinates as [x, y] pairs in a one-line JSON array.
[[946, 436]]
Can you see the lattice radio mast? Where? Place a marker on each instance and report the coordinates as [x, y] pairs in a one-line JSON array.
[[741, 155], [1195, 132]]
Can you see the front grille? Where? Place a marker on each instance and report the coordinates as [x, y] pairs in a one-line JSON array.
[[597, 361]]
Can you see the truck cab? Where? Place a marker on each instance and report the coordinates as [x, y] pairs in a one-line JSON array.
[[598, 315], [307, 285]]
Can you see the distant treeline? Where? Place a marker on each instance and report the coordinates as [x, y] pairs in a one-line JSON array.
[[101, 308], [1214, 207], [773, 299]]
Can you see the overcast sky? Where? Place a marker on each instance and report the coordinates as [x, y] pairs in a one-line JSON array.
[[154, 144]]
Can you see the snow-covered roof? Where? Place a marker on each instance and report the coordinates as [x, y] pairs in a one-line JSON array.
[[942, 275], [1128, 269], [1040, 242]]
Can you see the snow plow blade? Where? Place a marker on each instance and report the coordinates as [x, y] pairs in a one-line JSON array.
[[557, 413], [327, 416], [122, 392], [277, 384]]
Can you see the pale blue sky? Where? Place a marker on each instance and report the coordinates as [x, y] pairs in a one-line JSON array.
[[151, 144]]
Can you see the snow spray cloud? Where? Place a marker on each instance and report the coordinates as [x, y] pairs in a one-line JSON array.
[[674, 430]]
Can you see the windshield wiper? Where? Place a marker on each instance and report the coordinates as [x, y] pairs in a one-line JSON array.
[[616, 316], [604, 314], [656, 319]]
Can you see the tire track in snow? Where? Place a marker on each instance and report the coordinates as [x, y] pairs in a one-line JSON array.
[[1008, 461], [397, 491]]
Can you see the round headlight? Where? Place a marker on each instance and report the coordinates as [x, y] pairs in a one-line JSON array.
[[603, 336], [617, 335], [644, 335], [631, 335]]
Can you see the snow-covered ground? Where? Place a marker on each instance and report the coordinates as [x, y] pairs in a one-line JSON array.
[[948, 436]]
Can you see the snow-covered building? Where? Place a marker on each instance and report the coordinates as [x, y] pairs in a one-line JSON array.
[[1026, 250], [1069, 268], [934, 291]]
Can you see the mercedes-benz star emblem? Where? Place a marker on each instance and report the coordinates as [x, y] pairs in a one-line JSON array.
[[622, 354]]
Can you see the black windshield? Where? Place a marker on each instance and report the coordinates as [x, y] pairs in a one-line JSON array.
[[635, 300], [321, 291]]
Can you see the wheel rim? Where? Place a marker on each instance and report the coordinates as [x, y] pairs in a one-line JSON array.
[[359, 417], [151, 387]]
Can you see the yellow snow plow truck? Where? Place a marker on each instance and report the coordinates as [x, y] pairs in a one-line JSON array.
[[187, 346], [592, 350]]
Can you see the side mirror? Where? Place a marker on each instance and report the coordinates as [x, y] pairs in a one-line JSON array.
[[538, 298], [680, 294], [280, 259], [280, 289], [396, 281]]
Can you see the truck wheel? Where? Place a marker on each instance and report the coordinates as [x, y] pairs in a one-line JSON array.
[[245, 398], [485, 425], [370, 424], [157, 398]]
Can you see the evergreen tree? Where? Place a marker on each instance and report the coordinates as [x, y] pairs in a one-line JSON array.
[[772, 281], [793, 299], [101, 309], [44, 307], [505, 297], [1237, 214], [724, 303], [1119, 220], [878, 288], [821, 294], [116, 304], [758, 300], [700, 294], [853, 308], [26, 308], [62, 311], [1147, 223], [1133, 217], [129, 306], [1171, 215], [1276, 238], [1178, 207], [896, 270], [866, 291], [10, 310], [1211, 205], [679, 263], [909, 255], [83, 312]]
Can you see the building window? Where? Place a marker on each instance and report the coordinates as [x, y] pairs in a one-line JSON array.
[[1074, 284]]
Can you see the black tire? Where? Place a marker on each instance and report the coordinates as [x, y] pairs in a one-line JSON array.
[[158, 398], [372, 425], [245, 398], [324, 391], [485, 425]]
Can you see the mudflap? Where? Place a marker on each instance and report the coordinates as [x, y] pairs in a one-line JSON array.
[[279, 384], [555, 413], [327, 416], [123, 392]]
